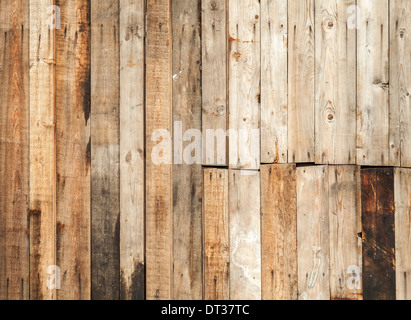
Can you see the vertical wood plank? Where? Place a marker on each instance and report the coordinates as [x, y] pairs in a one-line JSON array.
[[335, 98], [244, 82], [214, 81], [378, 215], [216, 235], [245, 235], [279, 232], [274, 98], [132, 55], [14, 150], [158, 177], [345, 233], [313, 233], [301, 81], [105, 175], [400, 72], [42, 150], [73, 153], [187, 177]]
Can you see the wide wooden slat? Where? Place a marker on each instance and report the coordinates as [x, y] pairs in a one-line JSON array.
[[279, 232], [132, 55], [216, 235], [14, 150], [105, 173]]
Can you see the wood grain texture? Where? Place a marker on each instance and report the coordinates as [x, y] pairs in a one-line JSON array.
[[378, 215], [313, 233], [105, 168], [132, 55], [279, 232], [301, 81], [402, 197], [216, 235], [214, 81], [245, 235], [159, 179], [73, 153], [244, 82], [42, 213], [335, 83], [400, 73], [187, 177], [377, 123], [14, 150], [345, 233], [274, 81]]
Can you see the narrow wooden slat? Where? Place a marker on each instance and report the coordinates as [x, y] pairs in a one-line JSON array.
[[105, 175], [313, 233], [73, 153], [279, 232], [345, 233], [14, 150], [245, 235], [214, 80], [400, 72], [132, 35], [42, 151], [335, 98], [300, 81], [216, 235], [158, 177], [378, 214], [274, 99], [244, 82]]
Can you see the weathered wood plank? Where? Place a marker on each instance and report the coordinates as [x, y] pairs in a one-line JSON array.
[[335, 97], [301, 81], [313, 233], [244, 83], [378, 214], [105, 175], [245, 235], [132, 55], [216, 235], [345, 233], [42, 151], [73, 153], [187, 177], [14, 150], [158, 176], [279, 232], [214, 81], [274, 98]]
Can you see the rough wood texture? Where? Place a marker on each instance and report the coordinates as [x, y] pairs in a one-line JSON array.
[[42, 213], [73, 153], [300, 81], [244, 83], [274, 81], [14, 150], [245, 235], [187, 177], [214, 81], [345, 233], [132, 55], [158, 177], [313, 233], [216, 235], [279, 232], [378, 215], [335, 97], [105, 173]]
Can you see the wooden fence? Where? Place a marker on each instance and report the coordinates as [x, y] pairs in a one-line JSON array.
[[112, 185]]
